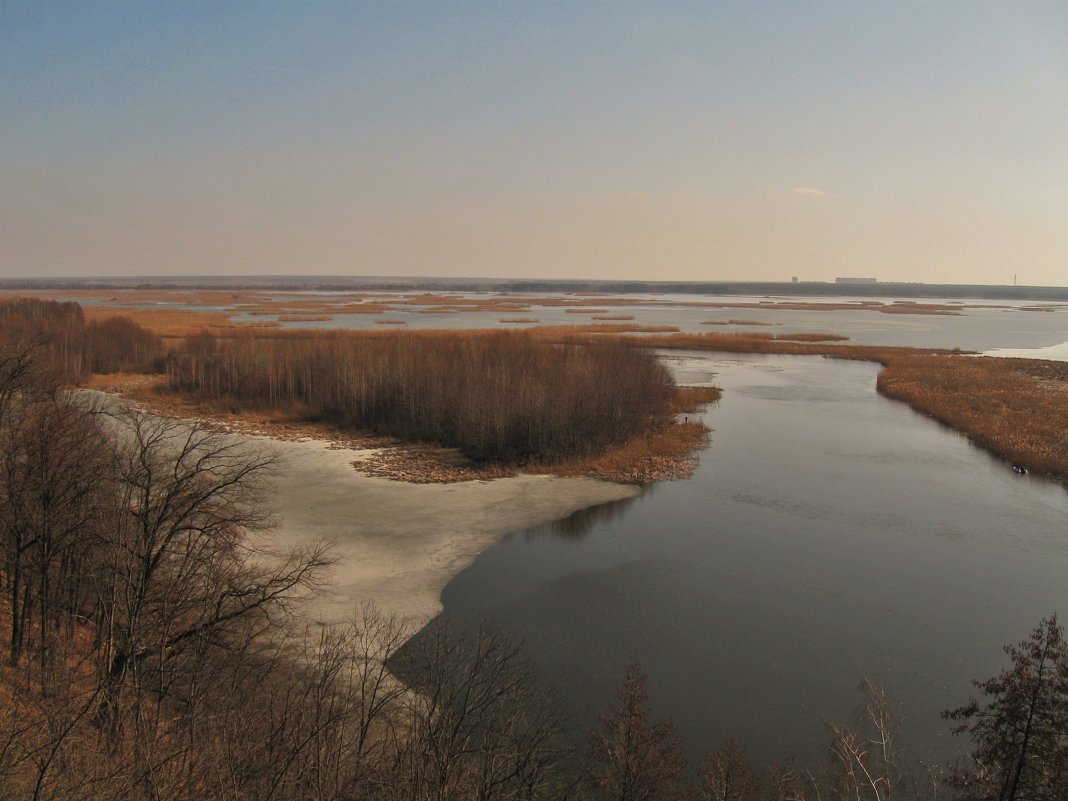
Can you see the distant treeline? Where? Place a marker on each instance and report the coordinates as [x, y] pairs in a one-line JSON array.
[[500, 396], [68, 348], [892, 289]]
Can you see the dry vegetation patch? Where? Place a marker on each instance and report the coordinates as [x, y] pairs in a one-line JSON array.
[[907, 307], [689, 400], [735, 322], [562, 333], [665, 454], [813, 336], [169, 323], [1015, 408]]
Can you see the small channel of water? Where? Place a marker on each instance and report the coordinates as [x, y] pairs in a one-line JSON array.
[[828, 534]]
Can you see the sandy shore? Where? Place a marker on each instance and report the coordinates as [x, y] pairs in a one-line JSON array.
[[399, 544]]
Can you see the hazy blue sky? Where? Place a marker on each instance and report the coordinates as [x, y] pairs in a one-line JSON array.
[[712, 140]]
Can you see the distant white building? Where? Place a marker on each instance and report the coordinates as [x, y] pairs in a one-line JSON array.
[[855, 280]]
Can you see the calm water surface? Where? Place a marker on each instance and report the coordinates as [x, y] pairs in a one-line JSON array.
[[828, 534]]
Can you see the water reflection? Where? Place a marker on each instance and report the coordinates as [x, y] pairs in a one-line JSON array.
[[577, 525]]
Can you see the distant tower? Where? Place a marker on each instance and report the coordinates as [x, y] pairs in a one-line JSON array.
[[794, 279]]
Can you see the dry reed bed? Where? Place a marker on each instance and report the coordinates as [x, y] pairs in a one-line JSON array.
[[752, 342], [561, 333], [316, 307], [167, 323], [804, 336], [735, 322], [1015, 408], [665, 454]]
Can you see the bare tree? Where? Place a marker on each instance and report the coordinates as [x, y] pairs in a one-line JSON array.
[[790, 783], [1020, 732], [631, 759], [728, 775], [54, 477], [182, 561], [477, 726], [868, 757]]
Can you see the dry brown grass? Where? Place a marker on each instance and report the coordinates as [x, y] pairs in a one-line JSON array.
[[133, 385], [749, 342], [735, 322], [689, 400], [662, 454], [907, 307], [810, 336], [519, 320], [309, 307], [1015, 408], [563, 332], [168, 323], [391, 322], [574, 301]]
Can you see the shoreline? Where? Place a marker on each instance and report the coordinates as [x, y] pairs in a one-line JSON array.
[[398, 544], [665, 453]]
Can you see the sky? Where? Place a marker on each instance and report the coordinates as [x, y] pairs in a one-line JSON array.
[[908, 140]]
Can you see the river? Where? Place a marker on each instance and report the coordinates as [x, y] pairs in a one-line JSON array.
[[828, 534]]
